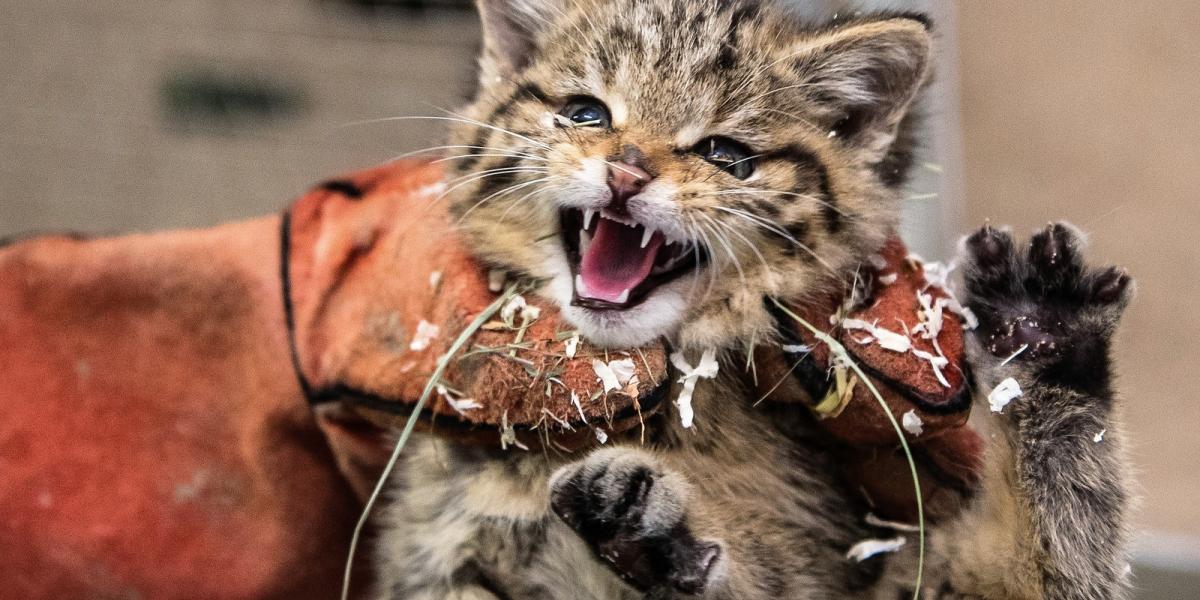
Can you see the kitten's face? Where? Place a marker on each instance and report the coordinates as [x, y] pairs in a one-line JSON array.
[[664, 166]]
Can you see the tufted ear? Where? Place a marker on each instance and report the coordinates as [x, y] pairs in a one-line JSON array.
[[865, 75], [510, 30]]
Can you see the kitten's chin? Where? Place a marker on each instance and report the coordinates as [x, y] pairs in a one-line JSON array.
[[658, 316]]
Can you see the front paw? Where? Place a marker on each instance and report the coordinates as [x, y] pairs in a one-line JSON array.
[[1042, 308], [631, 512]]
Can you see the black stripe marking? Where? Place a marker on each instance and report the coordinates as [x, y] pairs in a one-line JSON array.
[[799, 232], [289, 311], [767, 207], [804, 158], [503, 109], [726, 59], [344, 187], [812, 378], [494, 184]]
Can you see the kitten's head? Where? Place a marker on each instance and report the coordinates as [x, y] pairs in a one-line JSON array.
[[665, 165]]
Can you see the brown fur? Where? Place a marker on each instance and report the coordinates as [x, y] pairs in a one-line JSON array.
[[748, 503]]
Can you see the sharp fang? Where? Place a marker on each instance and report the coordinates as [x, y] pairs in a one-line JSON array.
[[584, 241], [646, 237], [580, 288], [623, 298], [587, 218]]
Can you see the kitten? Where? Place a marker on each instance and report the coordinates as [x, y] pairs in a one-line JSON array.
[[663, 166]]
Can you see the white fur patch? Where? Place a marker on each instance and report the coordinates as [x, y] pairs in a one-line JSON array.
[[690, 135], [618, 110]]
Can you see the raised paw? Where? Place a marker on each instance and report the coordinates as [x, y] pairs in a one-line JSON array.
[[631, 512], [1042, 306]]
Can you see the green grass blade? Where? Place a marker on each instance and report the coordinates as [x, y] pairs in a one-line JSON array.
[[411, 423], [840, 350]]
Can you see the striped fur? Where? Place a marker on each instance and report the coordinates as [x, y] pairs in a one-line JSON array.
[[748, 504], [820, 106]]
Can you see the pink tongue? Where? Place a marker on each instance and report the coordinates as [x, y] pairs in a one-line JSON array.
[[615, 260]]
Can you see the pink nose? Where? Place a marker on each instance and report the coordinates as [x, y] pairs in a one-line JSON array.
[[625, 181]]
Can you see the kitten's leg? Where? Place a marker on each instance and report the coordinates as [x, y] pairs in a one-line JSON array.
[[1050, 519], [631, 510], [427, 544]]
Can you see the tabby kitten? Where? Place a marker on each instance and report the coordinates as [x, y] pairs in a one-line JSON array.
[[663, 166]]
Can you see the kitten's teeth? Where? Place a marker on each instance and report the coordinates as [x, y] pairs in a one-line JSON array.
[[646, 237], [580, 288], [584, 241], [623, 298], [587, 218]]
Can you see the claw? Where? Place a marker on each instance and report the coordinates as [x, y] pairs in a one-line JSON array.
[[1055, 249], [989, 246], [1047, 249]]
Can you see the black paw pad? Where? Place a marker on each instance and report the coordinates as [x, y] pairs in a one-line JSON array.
[[603, 501], [631, 515], [1044, 303], [1024, 334]]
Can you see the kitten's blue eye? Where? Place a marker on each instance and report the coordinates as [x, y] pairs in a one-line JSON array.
[[587, 112], [730, 156]]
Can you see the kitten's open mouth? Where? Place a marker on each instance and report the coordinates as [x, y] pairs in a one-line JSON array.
[[617, 262]]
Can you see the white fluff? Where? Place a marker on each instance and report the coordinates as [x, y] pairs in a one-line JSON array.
[[463, 405], [889, 340], [624, 369], [911, 422], [1003, 394], [606, 375], [1010, 358], [578, 406], [707, 369], [571, 345], [868, 548], [496, 279], [935, 361], [509, 312], [518, 307], [875, 521], [426, 331]]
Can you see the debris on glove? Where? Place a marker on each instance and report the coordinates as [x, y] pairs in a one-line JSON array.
[[911, 422], [426, 331], [614, 374]]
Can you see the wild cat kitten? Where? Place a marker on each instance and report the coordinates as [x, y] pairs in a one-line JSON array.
[[663, 166]]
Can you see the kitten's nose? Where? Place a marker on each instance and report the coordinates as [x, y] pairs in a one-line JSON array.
[[625, 181]]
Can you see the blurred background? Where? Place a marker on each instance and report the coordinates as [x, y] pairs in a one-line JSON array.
[[120, 116]]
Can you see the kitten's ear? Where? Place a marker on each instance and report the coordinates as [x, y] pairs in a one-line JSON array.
[[866, 75], [510, 28]]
